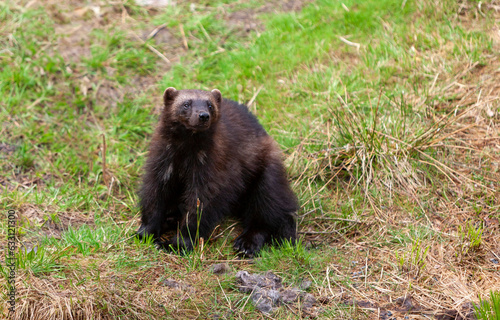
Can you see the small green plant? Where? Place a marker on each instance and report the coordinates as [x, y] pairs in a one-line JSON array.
[[401, 260], [475, 236], [38, 260], [292, 256], [489, 310], [470, 238], [54, 217], [415, 260], [88, 240], [194, 257], [146, 241], [25, 158], [196, 240], [418, 255]]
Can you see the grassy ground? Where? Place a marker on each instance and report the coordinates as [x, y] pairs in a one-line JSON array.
[[388, 113]]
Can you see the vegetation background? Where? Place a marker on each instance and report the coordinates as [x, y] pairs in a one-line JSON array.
[[387, 111]]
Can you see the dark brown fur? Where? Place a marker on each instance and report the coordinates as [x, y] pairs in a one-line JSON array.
[[214, 150]]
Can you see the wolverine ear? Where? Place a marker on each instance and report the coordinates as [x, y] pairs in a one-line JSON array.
[[169, 95], [217, 95]]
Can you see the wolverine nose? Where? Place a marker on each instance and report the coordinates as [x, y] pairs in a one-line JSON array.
[[204, 117]]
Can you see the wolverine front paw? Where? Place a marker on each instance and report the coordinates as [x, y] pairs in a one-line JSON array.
[[249, 243], [177, 244], [143, 232]]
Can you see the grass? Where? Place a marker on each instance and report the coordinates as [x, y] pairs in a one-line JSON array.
[[387, 111], [489, 310]]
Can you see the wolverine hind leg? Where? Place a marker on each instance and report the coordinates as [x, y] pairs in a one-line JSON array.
[[269, 211]]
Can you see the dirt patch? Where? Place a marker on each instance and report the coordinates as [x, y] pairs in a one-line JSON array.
[[26, 180], [110, 93], [77, 30], [244, 21], [73, 44], [75, 25], [6, 149], [48, 223]]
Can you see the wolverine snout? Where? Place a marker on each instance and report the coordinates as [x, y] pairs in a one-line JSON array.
[[204, 116]]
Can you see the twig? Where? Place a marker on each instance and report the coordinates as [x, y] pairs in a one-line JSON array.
[[37, 101], [254, 97], [105, 176], [222, 232], [150, 47], [205, 33], [225, 296], [349, 43], [317, 232], [329, 285], [184, 40], [434, 82], [158, 53], [338, 219], [246, 301], [231, 260], [155, 31]]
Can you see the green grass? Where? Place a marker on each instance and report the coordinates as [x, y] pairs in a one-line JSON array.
[[384, 141], [489, 309]]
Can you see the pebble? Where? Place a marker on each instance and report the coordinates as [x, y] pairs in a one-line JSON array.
[[220, 268]]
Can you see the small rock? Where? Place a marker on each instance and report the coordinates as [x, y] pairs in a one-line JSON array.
[[495, 261], [172, 284], [220, 268], [177, 285], [406, 303], [324, 300]]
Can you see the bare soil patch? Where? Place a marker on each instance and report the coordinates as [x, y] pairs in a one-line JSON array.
[[39, 221]]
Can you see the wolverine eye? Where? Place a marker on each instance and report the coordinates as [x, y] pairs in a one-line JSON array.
[[186, 105], [209, 105]]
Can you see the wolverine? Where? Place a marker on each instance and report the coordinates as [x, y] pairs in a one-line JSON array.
[[210, 159]]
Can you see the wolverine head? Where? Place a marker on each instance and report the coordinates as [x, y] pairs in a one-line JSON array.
[[196, 110]]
